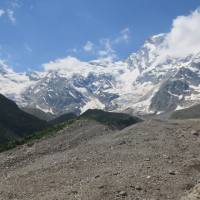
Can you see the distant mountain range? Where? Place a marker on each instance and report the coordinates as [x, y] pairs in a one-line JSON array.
[[143, 83]]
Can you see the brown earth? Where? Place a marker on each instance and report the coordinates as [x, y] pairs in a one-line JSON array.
[[152, 160]]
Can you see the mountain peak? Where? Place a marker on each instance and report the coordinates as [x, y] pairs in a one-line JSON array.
[[138, 83]]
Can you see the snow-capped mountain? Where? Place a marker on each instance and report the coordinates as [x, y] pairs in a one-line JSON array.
[[13, 84], [144, 82]]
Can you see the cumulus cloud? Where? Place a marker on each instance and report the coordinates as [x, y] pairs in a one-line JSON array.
[[10, 10], [184, 37], [2, 12], [11, 15], [88, 47], [124, 36], [106, 47], [69, 62], [106, 50]]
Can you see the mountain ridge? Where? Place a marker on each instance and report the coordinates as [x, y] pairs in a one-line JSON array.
[[144, 82]]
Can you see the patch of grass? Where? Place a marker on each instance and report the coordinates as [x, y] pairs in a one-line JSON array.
[[50, 131]]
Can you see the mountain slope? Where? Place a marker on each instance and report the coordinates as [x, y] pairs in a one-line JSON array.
[[187, 113], [114, 120], [86, 160], [39, 113], [14, 123]]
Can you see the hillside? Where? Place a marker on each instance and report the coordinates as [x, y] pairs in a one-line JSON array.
[[63, 118], [38, 113], [111, 119], [188, 113], [89, 161], [15, 123]]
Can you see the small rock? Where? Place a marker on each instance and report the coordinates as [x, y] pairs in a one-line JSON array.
[[52, 182], [116, 173], [121, 142], [171, 172], [170, 162], [193, 132], [97, 176], [30, 144], [101, 186], [73, 192], [138, 187], [122, 193], [165, 156]]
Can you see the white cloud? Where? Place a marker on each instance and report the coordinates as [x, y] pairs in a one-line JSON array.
[[106, 47], [11, 15], [88, 47], [2, 12], [106, 50], [184, 37], [69, 62], [10, 9], [124, 36]]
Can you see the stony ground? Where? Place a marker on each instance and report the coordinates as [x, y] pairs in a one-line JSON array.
[[152, 160]]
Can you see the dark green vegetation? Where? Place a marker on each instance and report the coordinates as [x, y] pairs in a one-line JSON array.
[[18, 127], [111, 119], [30, 139], [15, 123], [188, 113], [63, 118], [39, 113]]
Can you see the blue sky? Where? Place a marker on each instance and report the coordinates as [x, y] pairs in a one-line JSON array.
[[33, 32]]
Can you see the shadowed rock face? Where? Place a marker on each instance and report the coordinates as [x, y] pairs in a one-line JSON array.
[[170, 94]]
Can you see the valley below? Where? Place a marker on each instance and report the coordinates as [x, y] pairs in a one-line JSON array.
[[87, 160]]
